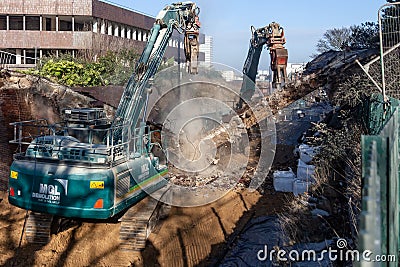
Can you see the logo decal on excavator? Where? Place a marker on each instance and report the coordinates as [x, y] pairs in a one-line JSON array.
[[49, 193]]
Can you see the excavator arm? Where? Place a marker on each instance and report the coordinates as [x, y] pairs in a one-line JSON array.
[[182, 17], [258, 40], [271, 35]]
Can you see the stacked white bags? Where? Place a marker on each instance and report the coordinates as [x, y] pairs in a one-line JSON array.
[[287, 181]]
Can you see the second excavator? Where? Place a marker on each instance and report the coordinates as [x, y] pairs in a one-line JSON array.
[[273, 36]]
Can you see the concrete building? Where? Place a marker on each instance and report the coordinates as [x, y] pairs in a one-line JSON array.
[[34, 28], [263, 75], [295, 70], [207, 48]]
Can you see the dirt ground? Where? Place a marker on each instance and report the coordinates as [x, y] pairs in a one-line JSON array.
[[199, 236], [188, 237]]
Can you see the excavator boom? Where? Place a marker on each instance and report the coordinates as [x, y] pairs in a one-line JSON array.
[[180, 16]]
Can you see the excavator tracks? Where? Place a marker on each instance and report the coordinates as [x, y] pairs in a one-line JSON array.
[[137, 223], [38, 228]]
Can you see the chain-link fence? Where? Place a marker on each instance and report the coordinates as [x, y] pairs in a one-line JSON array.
[[389, 34]]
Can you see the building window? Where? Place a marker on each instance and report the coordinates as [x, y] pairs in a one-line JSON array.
[[103, 27], [65, 23], [134, 34], [83, 27], [83, 24], [3, 22], [47, 24], [48, 53], [122, 32], [144, 36], [16, 23], [116, 30], [32, 23], [95, 25], [30, 56]]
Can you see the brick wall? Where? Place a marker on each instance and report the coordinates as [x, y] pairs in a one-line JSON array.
[[120, 15], [46, 7], [46, 39], [14, 106]]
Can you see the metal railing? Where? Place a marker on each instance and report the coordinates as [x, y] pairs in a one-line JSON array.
[[8, 60], [34, 132]]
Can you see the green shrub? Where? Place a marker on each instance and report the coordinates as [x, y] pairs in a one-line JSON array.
[[112, 68], [72, 73]]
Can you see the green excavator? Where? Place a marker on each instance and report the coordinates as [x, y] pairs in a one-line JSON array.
[[90, 168]]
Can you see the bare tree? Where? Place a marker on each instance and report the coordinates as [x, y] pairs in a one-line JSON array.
[[334, 39]]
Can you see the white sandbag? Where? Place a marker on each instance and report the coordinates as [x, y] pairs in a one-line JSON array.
[[307, 152], [283, 180], [305, 172], [300, 187]]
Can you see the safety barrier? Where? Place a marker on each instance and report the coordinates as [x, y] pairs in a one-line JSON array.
[[379, 222], [389, 35]]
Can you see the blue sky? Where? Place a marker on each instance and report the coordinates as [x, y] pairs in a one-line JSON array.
[[304, 22]]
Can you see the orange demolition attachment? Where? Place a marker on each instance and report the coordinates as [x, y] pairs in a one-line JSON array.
[[279, 54]]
